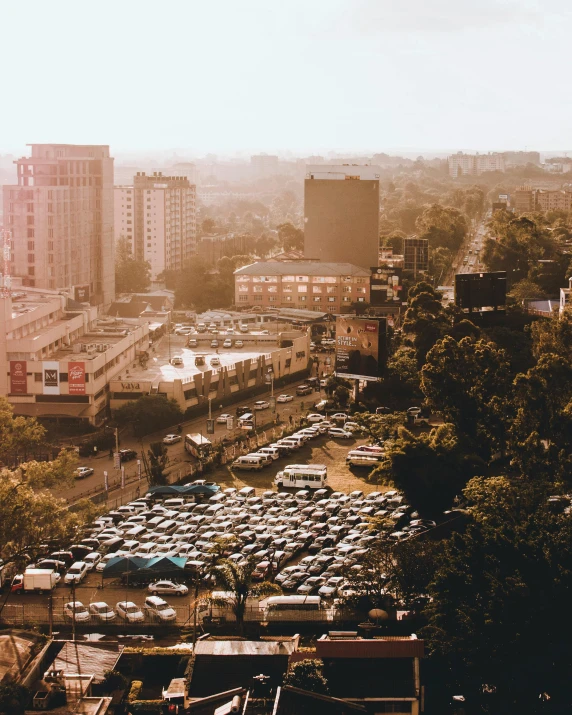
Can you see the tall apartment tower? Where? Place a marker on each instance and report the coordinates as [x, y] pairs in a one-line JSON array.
[[157, 216], [60, 214], [341, 214]]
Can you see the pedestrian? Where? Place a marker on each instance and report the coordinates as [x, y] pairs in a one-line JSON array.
[[291, 419], [110, 453]]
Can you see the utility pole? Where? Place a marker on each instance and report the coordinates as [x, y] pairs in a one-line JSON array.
[[73, 609], [195, 613]]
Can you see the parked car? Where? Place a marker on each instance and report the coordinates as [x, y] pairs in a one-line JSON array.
[[177, 361], [222, 419], [75, 610], [339, 417], [339, 433], [76, 572], [261, 405], [127, 455], [227, 343], [82, 472], [159, 609], [192, 343], [171, 438], [91, 560], [284, 398], [314, 417], [129, 612], [168, 587], [102, 611], [214, 343], [239, 344], [199, 360], [215, 362], [304, 390]]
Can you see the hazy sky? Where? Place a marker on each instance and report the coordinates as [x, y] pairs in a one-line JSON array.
[[290, 75]]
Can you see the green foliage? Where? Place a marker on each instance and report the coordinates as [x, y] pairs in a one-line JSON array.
[[158, 459], [290, 237], [149, 413], [114, 680], [131, 275], [444, 227], [135, 690], [430, 469], [13, 698], [19, 436], [467, 381], [308, 675], [500, 596]]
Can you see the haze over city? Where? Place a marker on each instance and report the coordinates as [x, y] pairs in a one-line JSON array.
[[305, 77]]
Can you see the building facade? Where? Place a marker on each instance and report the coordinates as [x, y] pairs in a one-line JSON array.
[[341, 214], [320, 287], [157, 217], [60, 214], [213, 247], [57, 357], [526, 199], [461, 164]]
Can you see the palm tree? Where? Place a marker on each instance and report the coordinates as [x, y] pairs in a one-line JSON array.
[[236, 580]]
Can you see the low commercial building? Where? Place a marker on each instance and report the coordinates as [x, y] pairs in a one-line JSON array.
[[526, 199], [320, 287], [57, 357]]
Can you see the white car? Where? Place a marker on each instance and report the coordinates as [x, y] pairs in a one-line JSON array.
[[104, 561], [169, 587], [315, 417], [82, 472], [284, 398], [91, 560], [222, 419], [160, 609], [76, 572], [215, 362], [171, 438], [102, 611], [352, 426], [129, 612], [177, 360], [227, 343], [239, 344], [261, 405], [75, 610], [339, 433], [339, 417]]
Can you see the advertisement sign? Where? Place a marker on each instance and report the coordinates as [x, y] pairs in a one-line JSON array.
[[51, 377], [210, 426], [385, 286], [415, 254], [18, 377], [81, 294], [360, 347], [230, 422], [105, 481], [272, 403], [76, 378]]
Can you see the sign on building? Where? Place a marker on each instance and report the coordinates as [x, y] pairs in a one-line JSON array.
[[474, 291], [76, 378], [361, 347], [18, 377], [415, 254], [385, 286], [81, 294], [51, 377]]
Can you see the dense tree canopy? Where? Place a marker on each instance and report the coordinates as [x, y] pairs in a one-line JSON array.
[[149, 413], [131, 274]]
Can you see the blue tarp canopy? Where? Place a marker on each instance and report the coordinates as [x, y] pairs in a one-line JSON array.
[[123, 564], [184, 489]]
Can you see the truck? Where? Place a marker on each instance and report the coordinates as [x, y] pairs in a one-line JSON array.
[[35, 581]]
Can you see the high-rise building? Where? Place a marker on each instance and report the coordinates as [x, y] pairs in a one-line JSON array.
[[157, 216], [264, 165], [341, 214], [474, 164], [60, 214]]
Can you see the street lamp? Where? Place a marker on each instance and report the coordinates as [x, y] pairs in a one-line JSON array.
[[269, 379]]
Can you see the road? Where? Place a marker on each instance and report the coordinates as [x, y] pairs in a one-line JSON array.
[[178, 457], [469, 257]]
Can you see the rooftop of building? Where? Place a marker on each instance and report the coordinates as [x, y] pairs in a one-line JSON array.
[[101, 337], [306, 268], [284, 646], [17, 650]]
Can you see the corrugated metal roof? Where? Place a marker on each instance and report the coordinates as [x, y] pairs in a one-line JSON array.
[[249, 648], [266, 268]]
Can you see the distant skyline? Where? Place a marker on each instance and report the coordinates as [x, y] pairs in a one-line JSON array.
[[227, 77]]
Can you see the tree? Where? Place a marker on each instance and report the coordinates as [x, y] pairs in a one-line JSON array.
[[290, 237], [208, 225], [497, 588], [443, 227], [149, 413], [19, 436], [131, 275], [236, 580], [553, 335], [308, 675], [467, 382], [14, 698], [360, 307], [430, 469], [158, 459]]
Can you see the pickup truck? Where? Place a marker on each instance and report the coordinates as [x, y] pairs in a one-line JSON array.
[[35, 581]]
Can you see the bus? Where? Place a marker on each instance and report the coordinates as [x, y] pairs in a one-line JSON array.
[[302, 476], [294, 608], [197, 445]]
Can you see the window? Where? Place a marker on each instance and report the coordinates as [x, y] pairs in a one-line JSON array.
[[31, 258], [37, 377], [272, 298], [317, 299], [302, 289], [360, 290], [302, 279], [258, 289], [31, 271], [31, 245], [243, 298], [346, 289], [302, 298], [258, 298], [288, 279], [272, 289], [346, 299], [331, 300], [50, 245], [286, 288], [30, 208], [30, 233], [316, 289], [30, 220], [332, 289]]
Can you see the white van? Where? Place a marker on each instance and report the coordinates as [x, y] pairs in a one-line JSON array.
[[135, 533], [246, 421], [248, 463], [303, 476], [214, 509], [166, 527], [175, 503], [294, 608], [245, 493], [364, 459], [293, 439], [266, 458], [272, 452]]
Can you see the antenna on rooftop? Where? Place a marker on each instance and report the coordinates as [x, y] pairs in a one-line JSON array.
[[6, 237]]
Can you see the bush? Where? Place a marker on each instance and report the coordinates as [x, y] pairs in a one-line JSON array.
[[135, 690], [307, 675], [114, 680]]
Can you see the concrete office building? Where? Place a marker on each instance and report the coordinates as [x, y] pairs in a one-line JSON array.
[[320, 287], [474, 164], [60, 214], [157, 216], [341, 214]]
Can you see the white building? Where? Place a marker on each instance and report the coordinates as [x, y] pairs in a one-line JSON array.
[[474, 164], [157, 216]]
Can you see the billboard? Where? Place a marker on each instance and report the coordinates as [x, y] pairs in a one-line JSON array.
[[51, 378], [76, 378], [474, 291], [385, 286], [361, 350], [18, 377]]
